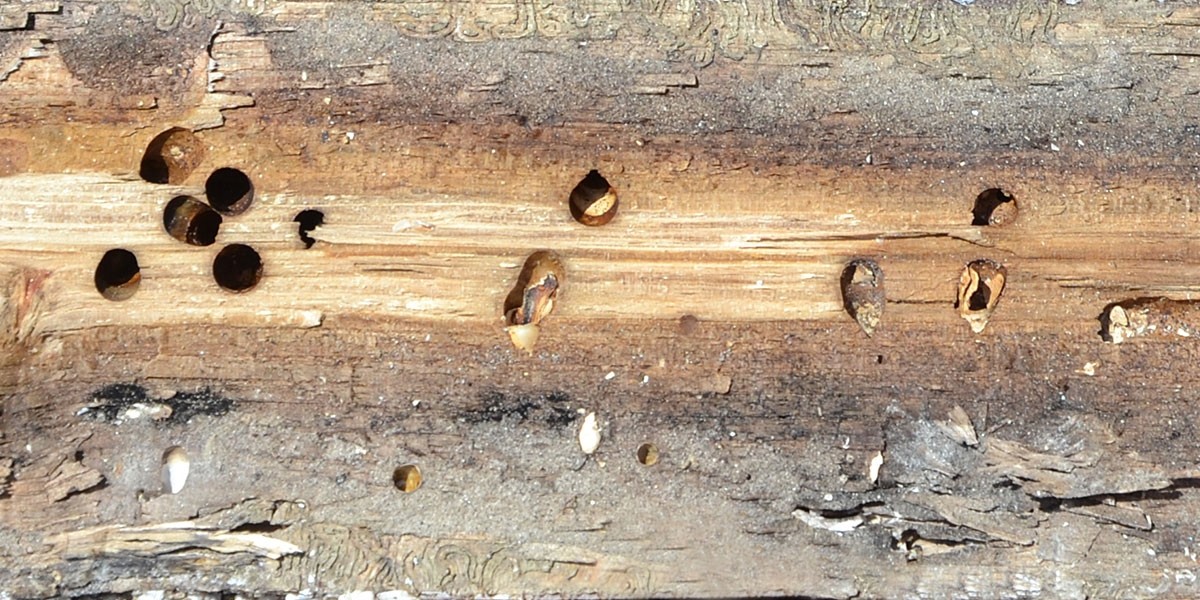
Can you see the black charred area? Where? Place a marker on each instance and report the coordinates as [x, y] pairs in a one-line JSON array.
[[110, 401], [553, 409]]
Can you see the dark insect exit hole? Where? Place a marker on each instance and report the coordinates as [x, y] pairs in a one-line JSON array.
[[979, 299], [593, 202], [237, 268], [994, 206], [309, 220], [171, 156], [118, 275], [229, 191], [191, 221]]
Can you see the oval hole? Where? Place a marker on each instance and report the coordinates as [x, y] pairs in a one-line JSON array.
[[175, 469], [191, 221], [594, 201], [979, 289], [994, 206], [532, 298], [309, 220], [647, 454], [863, 294], [407, 478], [171, 156], [118, 275], [237, 268], [229, 191]]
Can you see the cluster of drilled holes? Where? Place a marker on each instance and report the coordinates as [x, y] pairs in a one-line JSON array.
[[118, 274], [407, 478], [993, 206], [593, 201], [171, 157]]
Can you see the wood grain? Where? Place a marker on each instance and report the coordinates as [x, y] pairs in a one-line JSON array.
[[756, 148]]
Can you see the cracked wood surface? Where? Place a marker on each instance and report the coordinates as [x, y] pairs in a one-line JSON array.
[[757, 147]]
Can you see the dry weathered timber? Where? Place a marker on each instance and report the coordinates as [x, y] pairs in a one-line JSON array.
[[756, 148]]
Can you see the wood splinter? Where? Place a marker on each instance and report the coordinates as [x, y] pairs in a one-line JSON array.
[[1145, 317]]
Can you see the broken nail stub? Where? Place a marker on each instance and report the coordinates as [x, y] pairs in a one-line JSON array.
[[979, 289], [532, 299]]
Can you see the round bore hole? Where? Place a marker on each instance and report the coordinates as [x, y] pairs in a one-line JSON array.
[[237, 268], [593, 201], [171, 156], [994, 206], [647, 454], [407, 478], [229, 191], [309, 220], [118, 275], [191, 221]]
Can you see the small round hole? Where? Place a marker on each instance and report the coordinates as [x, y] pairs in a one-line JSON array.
[[229, 191], [118, 275], [309, 220], [647, 454], [593, 201], [994, 206], [237, 267], [191, 221], [171, 156], [407, 478]]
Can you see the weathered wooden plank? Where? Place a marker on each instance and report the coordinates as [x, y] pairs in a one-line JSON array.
[[756, 148]]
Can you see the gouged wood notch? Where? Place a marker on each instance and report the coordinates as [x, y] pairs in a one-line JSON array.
[[603, 299]]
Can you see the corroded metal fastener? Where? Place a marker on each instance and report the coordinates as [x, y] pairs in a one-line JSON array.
[[532, 299], [979, 289], [1149, 317]]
